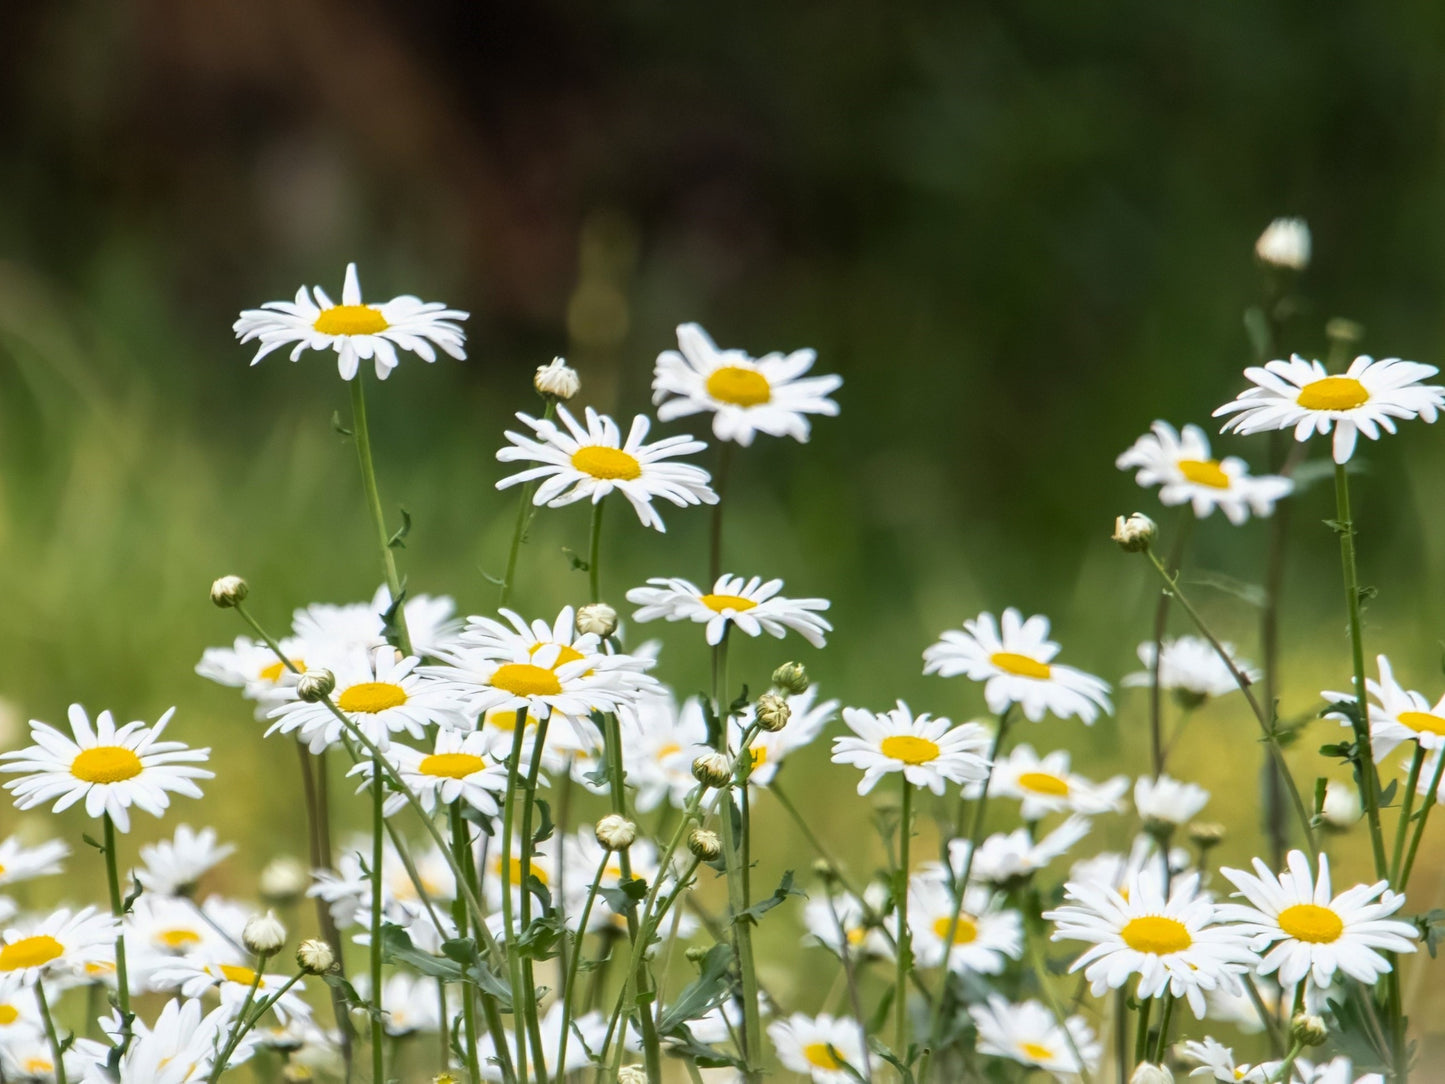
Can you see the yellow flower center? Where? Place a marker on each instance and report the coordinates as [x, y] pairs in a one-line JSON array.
[[524, 679], [38, 1067], [668, 750], [1156, 934], [350, 320], [965, 933], [273, 672], [178, 938], [1333, 393], [821, 1055], [8, 1015], [30, 952], [1044, 783], [760, 755], [1312, 923], [856, 935], [242, 975], [1422, 722], [105, 764], [909, 748], [606, 463], [370, 697], [451, 765], [1020, 665], [738, 386], [505, 719], [1036, 1052], [1204, 472], [516, 868], [719, 603]]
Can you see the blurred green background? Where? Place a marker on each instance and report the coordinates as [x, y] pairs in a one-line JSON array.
[[1021, 231]]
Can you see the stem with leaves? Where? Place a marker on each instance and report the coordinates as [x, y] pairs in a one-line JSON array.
[[361, 433]]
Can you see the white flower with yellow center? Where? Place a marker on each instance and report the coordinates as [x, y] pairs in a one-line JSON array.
[[985, 935], [61, 943], [1191, 667], [745, 395], [20, 1017], [459, 768], [1029, 1034], [253, 667], [845, 919], [1005, 857], [929, 752], [1014, 659], [1174, 943], [111, 768], [752, 606], [1397, 714], [1216, 1061], [408, 1003], [1168, 801], [1313, 933], [588, 463], [31, 1058], [355, 330], [1180, 464], [381, 695], [180, 1048], [827, 1049], [1045, 785], [20, 863], [328, 634], [1303, 396], [160, 928], [197, 974], [171, 867], [660, 740]]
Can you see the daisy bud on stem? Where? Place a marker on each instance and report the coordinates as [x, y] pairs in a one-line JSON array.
[[1308, 1029], [616, 832], [1135, 533], [712, 770], [704, 844], [597, 618], [792, 678], [773, 712], [229, 590], [284, 881], [1341, 808], [1206, 834], [315, 957], [315, 686], [263, 934], [1284, 244], [632, 1074], [557, 381]]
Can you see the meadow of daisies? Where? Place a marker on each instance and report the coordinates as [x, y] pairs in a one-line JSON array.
[[559, 875]]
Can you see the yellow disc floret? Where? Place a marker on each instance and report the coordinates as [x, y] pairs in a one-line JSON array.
[[350, 320], [105, 764], [738, 386], [1333, 393]]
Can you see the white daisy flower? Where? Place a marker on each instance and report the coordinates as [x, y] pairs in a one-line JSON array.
[[586, 1033], [61, 943], [769, 748], [1175, 944], [540, 682], [1114, 869], [355, 330], [408, 1003], [1014, 659], [985, 936], [828, 1049], [180, 1048], [588, 464], [929, 752], [752, 606], [1180, 464], [20, 1017], [20, 863], [1168, 801], [328, 634], [1303, 396], [846, 918], [160, 928], [1338, 1070], [1313, 933], [110, 767], [1285, 243], [1029, 1034], [1045, 785], [348, 888], [1216, 1061], [457, 769], [660, 740], [196, 974], [1397, 714], [1005, 857], [1190, 667], [746, 395], [253, 667], [173, 867], [31, 1059]]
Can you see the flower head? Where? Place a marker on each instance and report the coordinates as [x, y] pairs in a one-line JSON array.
[[459, 768], [985, 936], [1029, 1034], [1191, 668], [1045, 785], [822, 1047], [1180, 464], [171, 867], [752, 606], [1162, 800], [1285, 243], [1397, 714], [20, 863], [61, 943], [929, 752]]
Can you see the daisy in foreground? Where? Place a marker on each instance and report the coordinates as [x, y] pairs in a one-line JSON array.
[[753, 606], [1014, 659], [458, 768], [1175, 944], [61, 943], [746, 395], [589, 463], [1028, 1034], [110, 767], [929, 752], [356, 331], [826, 1048], [1180, 464], [1313, 933], [1303, 396], [1397, 714]]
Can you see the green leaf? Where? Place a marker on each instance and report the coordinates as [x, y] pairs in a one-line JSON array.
[[337, 981], [475, 970], [703, 993], [338, 425], [682, 1043], [782, 892], [577, 563], [90, 839], [396, 947], [391, 620], [398, 540], [625, 895], [544, 830], [740, 702], [540, 940], [135, 893], [1387, 796]]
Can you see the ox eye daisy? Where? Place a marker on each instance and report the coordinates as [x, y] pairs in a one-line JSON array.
[[1191, 669], [1005, 858], [1312, 932], [110, 768], [173, 867], [752, 606], [1179, 463], [1303, 396], [929, 752], [587, 463], [1029, 1034], [62, 943], [1045, 785], [1162, 800], [824, 1048], [745, 395], [357, 331], [985, 936], [197, 974], [1397, 714], [1014, 659], [457, 769], [20, 863]]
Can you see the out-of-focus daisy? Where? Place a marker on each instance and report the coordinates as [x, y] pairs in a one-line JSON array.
[[1397, 714], [1216, 1061], [196, 974], [1285, 243], [110, 767], [660, 740], [408, 1003], [746, 395], [1014, 660], [457, 769], [1115, 869], [348, 888], [1338, 1070], [588, 463], [1005, 857], [30, 1058], [1303, 396], [806, 719], [20, 863], [253, 667], [1313, 933], [19, 1017], [1180, 464], [828, 1049], [60, 943], [1045, 785], [355, 330], [328, 634], [173, 867], [753, 606], [1164, 800], [843, 918], [1190, 668], [587, 1032], [180, 1048], [1029, 1034], [985, 936], [929, 752], [160, 928]]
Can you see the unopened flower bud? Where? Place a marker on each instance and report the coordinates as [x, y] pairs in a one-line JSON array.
[[284, 881], [1146, 1072], [712, 770], [695, 954], [1285, 243], [1344, 331], [704, 844], [557, 380], [597, 618], [1135, 533], [632, 1074], [773, 712], [616, 832], [824, 871], [1341, 807], [1308, 1029], [315, 957], [792, 678], [315, 686], [263, 934], [1206, 834], [229, 590]]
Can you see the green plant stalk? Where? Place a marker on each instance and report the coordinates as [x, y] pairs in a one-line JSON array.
[[1121, 1036], [1427, 804], [855, 1000], [1161, 1044], [1161, 624], [1141, 1032], [247, 1025], [1407, 804], [378, 830], [594, 552], [117, 908], [904, 955], [569, 983], [238, 1025], [525, 512], [1040, 966], [520, 996], [461, 848], [361, 433], [534, 1028], [50, 1033], [719, 485], [1282, 1073]]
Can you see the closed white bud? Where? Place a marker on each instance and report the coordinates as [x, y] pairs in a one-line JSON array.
[[1206, 834], [557, 380], [597, 618], [616, 832], [1308, 1029], [1146, 1072], [284, 881], [315, 957], [632, 1074], [773, 712], [792, 678], [263, 934], [1341, 806], [229, 590], [712, 770], [315, 686], [704, 844], [1285, 243], [1135, 533]]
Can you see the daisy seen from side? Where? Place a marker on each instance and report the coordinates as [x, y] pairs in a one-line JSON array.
[[753, 606], [929, 752], [1179, 462], [62, 943], [1397, 714], [1191, 669], [1045, 785], [1029, 1034]]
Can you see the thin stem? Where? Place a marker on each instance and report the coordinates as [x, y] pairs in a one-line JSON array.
[[1161, 1044], [361, 433], [1276, 1040], [1141, 1032], [117, 908], [462, 849], [1407, 804], [525, 511], [1121, 1035], [246, 1025], [855, 1001], [534, 1031], [378, 798], [594, 552], [56, 1052], [1161, 623], [569, 984], [1283, 1072], [509, 924], [904, 955], [1431, 797], [238, 1026], [812, 838], [1041, 969], [719, 485], [324, 922]]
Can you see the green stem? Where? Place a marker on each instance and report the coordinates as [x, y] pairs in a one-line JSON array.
[[1421, 817], [1041, 969], [378, 831], [1141, 1033], [362, 435], [525, 511], [462, 849], [569, 984], [520, 995], [1121, 1035], [904, 955], [56, 1051], [594, 552], [238, 1026], [534, 1029], [1282, 1073], [245, 1025], [1161, 1044], [1161, 623], [1407, 805], [320, 859], [719, 486], [117, 908]]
